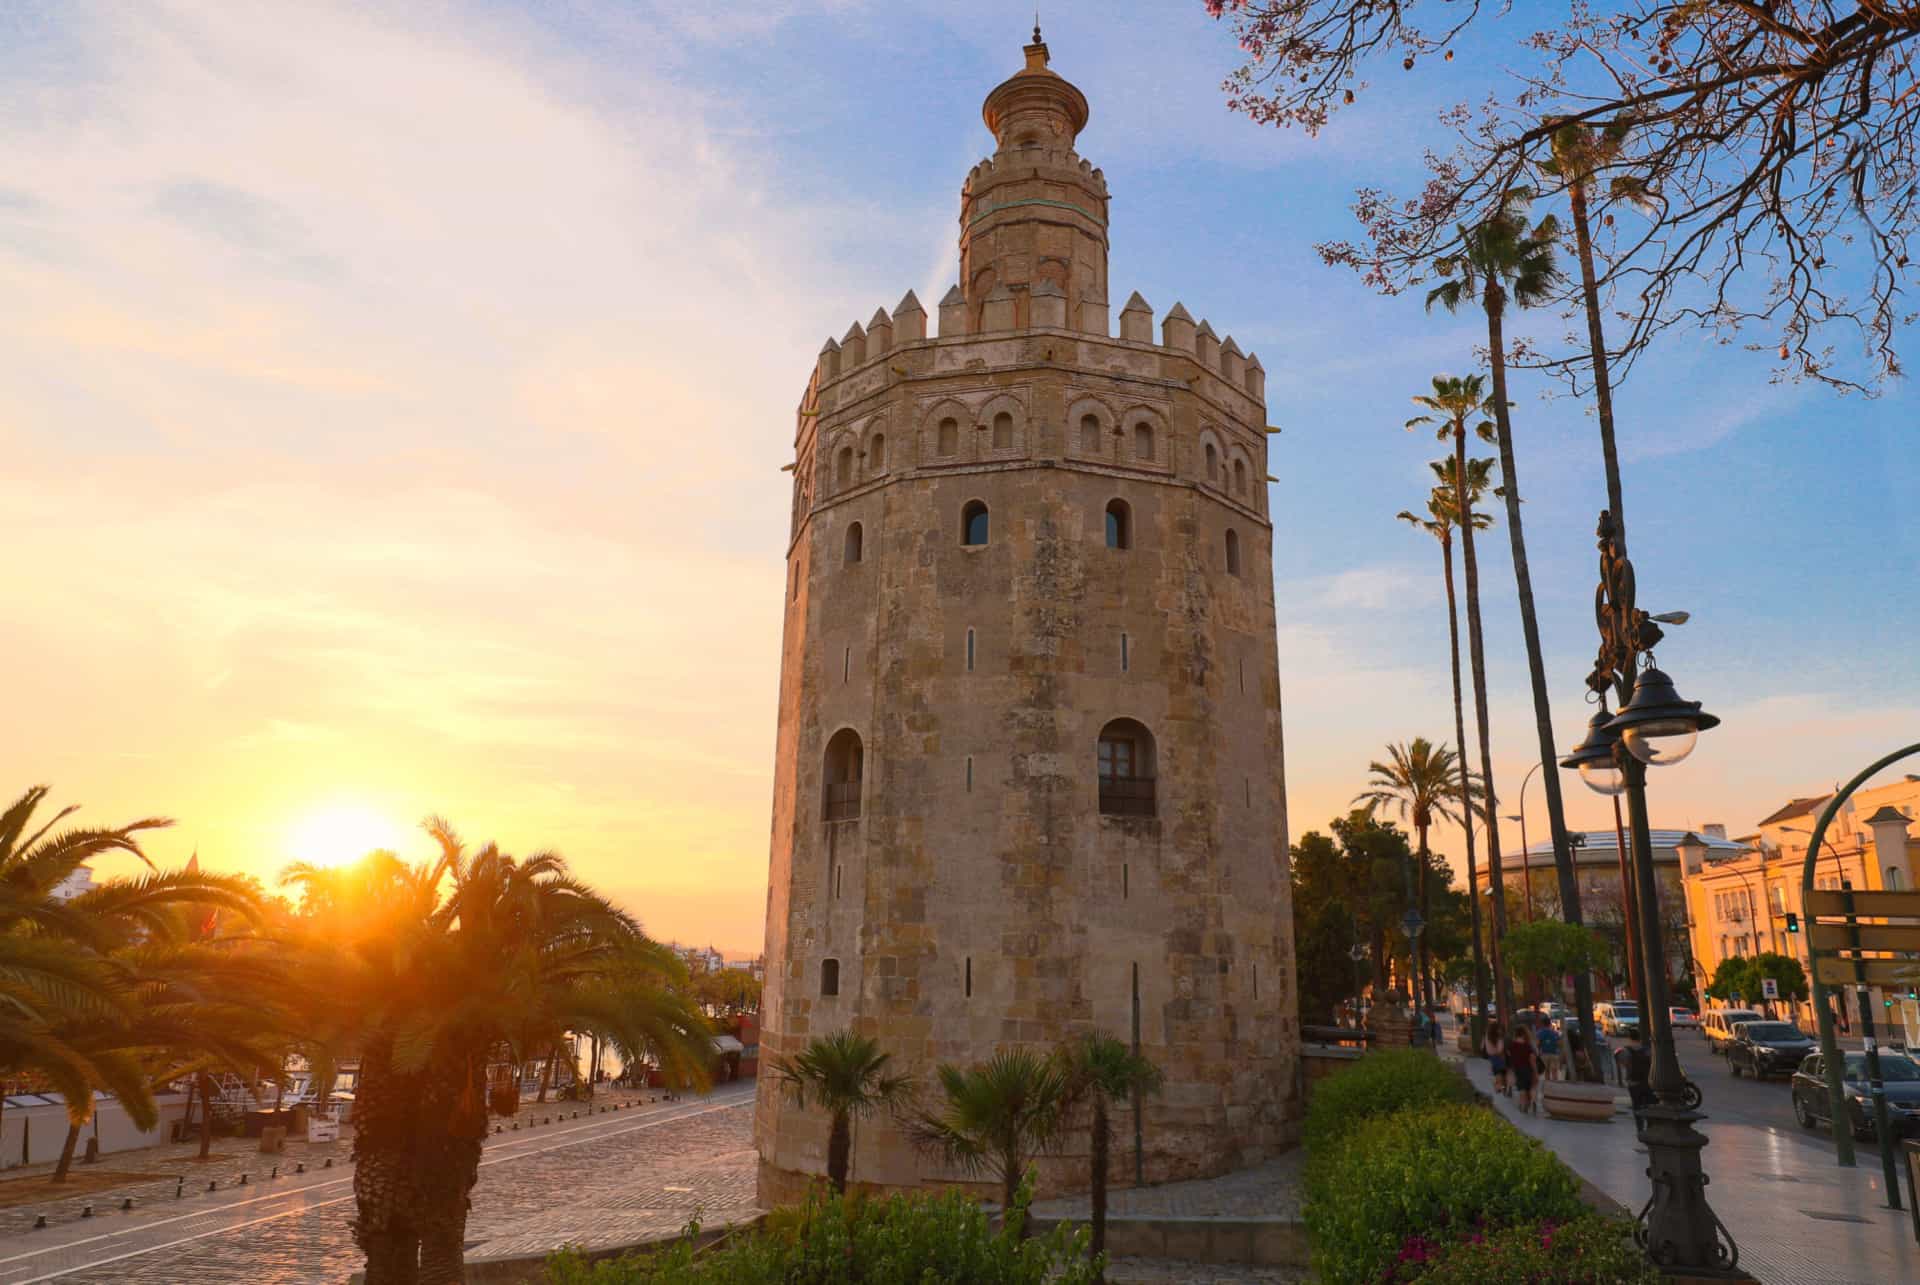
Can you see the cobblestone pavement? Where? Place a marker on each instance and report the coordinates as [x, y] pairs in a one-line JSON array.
[[593, 1180], [1271, 1190], [1166, 1271]]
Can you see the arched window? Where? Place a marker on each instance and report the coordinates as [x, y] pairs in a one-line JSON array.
[[843, 466], [854, 540], [845, 766], [1143, 440], [1213, 463], [1233, 552], [1090, 434], [973, 523], [949, 436], [1002, 431], [1119, 525], [1239, 477], [829, 977], [877, 453], [1124, 760]]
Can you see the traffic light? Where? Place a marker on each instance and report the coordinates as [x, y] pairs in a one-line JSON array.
[[1793, 922]]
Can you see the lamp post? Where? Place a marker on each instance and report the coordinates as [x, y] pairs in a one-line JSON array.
[[1356, 953], [1678, 1229], [1526, 853]]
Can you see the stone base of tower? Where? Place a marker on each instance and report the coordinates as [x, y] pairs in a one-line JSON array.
[[1182, 1140]]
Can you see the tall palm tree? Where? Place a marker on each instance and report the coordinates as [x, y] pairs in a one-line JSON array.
[[1508, 260], [1443, 511], [846, 1075], [1423, 781], [458, 958], [1100, 1071], [995, 1117], [1454, 401]]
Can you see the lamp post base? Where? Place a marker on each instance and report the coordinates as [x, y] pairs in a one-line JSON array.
[[1677, 1228]]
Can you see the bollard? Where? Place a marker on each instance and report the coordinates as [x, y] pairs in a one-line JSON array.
[[300, 1166], [275, 1173], [86, 1211], [40, 1223], [243, 1180], [126, 1206], [499, 1129], [214, 1185], [179, 1188], [329, 1163]]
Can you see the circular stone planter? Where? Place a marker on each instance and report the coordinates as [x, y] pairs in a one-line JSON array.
[[1577, 1100]]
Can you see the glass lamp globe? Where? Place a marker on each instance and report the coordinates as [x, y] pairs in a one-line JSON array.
[[1602, 777], [1661, 742]]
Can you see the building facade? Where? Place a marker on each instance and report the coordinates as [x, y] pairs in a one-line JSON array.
[[1028, 769]]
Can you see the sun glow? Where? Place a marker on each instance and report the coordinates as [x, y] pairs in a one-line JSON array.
[[342, 832]]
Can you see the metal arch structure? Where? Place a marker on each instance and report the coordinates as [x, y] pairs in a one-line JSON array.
[[1829, 1045]]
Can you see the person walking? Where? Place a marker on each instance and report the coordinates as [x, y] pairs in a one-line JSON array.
[[1495, 1048], [1548, 1045], [1520, 1065]]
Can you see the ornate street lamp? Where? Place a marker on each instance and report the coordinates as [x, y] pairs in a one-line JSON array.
[[1677, 1227]]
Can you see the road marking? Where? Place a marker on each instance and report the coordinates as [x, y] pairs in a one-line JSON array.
[[651, 1122]]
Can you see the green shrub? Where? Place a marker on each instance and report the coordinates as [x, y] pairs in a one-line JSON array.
[[931, 1239], [1378, 1084], [1442, 1173], [1587, 1251]]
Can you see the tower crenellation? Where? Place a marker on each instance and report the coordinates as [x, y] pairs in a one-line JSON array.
[[1028, 776]]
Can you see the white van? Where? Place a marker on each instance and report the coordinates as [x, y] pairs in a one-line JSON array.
[[1621, 1017], [1717, 1025]]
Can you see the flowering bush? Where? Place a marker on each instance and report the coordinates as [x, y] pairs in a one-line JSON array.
[[1379, 1084], [1393, 1195], [938, 1239], [1587, 1251]]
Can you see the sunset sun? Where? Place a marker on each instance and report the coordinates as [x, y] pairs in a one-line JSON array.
[[342, 832]]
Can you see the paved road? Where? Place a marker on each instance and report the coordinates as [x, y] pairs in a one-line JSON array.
[[602, 1177]]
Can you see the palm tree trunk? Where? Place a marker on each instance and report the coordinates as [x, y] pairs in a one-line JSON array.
[[450, 1124], [206, 1115], [384, 1225], [1424, 974], [1012, 1166], [546, 1073], [1567, 877], [61, 1170], [839, 1151], [1474, 1021], [1097, 1188], [1597, 343], [1476, 651]]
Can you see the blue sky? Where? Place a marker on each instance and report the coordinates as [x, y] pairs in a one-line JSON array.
[[395, 403]]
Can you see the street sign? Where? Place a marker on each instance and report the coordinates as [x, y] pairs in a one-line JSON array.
[[1826, 937], [1830, 903], [1873, 972], [1769, 988]]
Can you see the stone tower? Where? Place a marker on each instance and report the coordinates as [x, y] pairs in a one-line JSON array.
[[1028, 774]]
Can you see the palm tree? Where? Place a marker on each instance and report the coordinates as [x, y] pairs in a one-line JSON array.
[[996, 1117], [1443, 509], [1423, 781], [1100, 1071], [846, 1074], [1454, 401], [1505, 259], [66, 1005], [458, 958]]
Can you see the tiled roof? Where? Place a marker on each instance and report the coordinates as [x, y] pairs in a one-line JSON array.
[[1797, 808]]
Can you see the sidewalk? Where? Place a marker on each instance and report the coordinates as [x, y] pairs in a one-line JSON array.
[[1797, 1220]]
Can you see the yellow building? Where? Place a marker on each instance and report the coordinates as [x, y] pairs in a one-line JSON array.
[[1737, 904]]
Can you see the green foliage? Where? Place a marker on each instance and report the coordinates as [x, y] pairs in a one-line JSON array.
[[1445, 1171], [1587, 1251], [1742, 974], [995, 1116], [921, 1239], [1378, 1084], [1550, 948], [841, 1073]]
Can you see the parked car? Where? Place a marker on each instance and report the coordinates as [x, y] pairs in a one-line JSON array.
[[1899, 1075], [1618, 1017], [1767, 1048], [1718, 1025], [1682, 1019]]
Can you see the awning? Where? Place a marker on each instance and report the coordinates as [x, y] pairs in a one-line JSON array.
[[727, 1044]]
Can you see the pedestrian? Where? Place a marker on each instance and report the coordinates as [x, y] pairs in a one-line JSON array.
[[1639, 1070], [1548, 1044], [1496, 1050], [1520, 1065], [1579, 1062]]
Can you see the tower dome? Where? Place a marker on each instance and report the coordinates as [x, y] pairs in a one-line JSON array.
[[1035, 105]]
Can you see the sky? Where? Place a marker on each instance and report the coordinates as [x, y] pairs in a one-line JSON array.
[[393, 400]]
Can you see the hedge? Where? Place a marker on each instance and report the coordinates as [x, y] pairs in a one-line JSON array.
[[1378, 1084], [1445, 1173], [1587, 1251]]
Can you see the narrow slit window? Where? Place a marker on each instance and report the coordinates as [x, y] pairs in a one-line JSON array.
[[856, 544], [829, 977], [969, 976], [1256, 981], [1126, 881], [1243, 675], [1213, 463], [1233, 552], [839, 877], [969, 651], [1246, 783], [846, 664], [969, 774], [1124, 659]]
